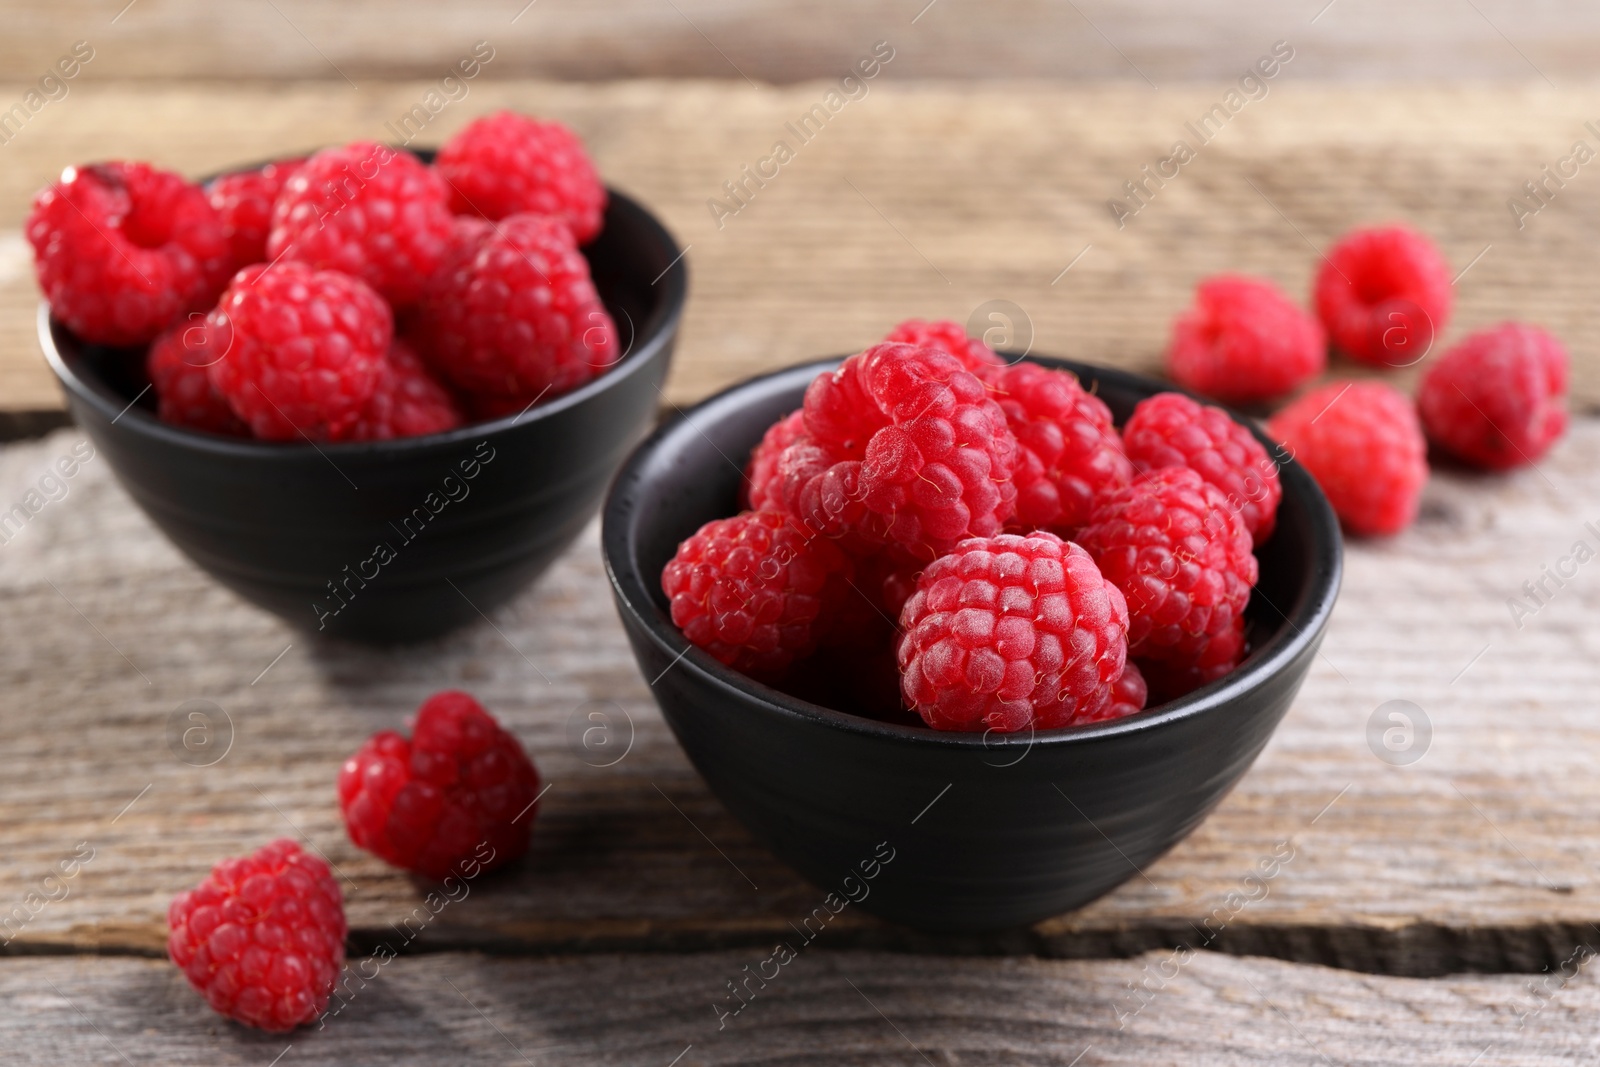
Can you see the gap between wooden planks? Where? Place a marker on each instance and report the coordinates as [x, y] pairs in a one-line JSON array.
[[934, 199], [1480, 856]]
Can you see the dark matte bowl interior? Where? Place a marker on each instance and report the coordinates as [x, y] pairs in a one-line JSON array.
[[394, 540], [987, 832]]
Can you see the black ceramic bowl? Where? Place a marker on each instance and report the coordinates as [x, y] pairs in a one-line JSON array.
[[468, 517], [985, 832]]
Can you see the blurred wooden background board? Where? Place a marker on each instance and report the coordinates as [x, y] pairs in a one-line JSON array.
[[935, 200]]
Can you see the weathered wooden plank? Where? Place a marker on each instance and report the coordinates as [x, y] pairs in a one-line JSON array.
[[822, 1007], [1479, 856], [933, 200], [1160, 40]]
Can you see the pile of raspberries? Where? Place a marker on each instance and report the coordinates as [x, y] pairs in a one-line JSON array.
[[975, 541], [355, 295], [262, 938]]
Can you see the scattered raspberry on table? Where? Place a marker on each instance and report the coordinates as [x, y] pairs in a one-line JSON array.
[[1384, 294], [122, 250], [1243, 342], [304, 351], [1499, 398], [1171, 430], [1363, 444], [262, 937], [512, 313], [1069, 454], [756, 591], [1009, 632], [508, 164], [370, 211], [946, 336], [456, 798], [1182, 558]]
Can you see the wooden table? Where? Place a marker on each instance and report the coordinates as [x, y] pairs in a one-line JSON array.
[[1423, 901]]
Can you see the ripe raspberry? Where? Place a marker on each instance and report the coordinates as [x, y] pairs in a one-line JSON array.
[[407, 402], [1169, 681], [756, 592], [1008, 632], [1383, 295], [122, 250], [513, 314], [949, 337], [1244, 341], [1068, 454], [457, 798], [762, 488], [1182, 558], [1499, 398], [370, 211], [305, 351], [1128, 696], [1362, 443], [177, 363], [1170, 430], [508, 164], [905, 448], [244, 203], [262, 937]]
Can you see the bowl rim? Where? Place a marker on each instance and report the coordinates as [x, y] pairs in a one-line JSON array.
[[1302, 629], [648, 340]]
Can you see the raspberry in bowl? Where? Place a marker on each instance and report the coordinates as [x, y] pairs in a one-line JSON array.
[[1013, 776], [316, 432]]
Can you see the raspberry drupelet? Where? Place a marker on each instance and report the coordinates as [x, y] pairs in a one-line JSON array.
[[904, 448], [1243, 342], [123, 250], [370, 211], [1499, 398], [1183, 560], [304, 350], [456, 798], [262, 937], [1171, 430], [1363, 444], [1008, 633], [508, 164], [1383, 295], [1069, 454], [756, 591]]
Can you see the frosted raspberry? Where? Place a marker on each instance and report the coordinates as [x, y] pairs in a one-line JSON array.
[[1244, 341], [262, 937], [1383, 295], [508, 164], [1499, 398], [1182, 559], [512, 313], [370, 211], [1170, 430], [1008, 632], [1069, 454], [1362, 443], [949, 337], [305, 349], [123, 250], [755, 591], [904, 447], [457, 798]]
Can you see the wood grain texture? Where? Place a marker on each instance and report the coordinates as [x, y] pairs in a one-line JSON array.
[[824, 1007], [1132, 40], [1480, 856], [932, 200]]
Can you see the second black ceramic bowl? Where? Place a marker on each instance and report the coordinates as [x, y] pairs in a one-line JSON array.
[[405, 539], [939, 830]]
